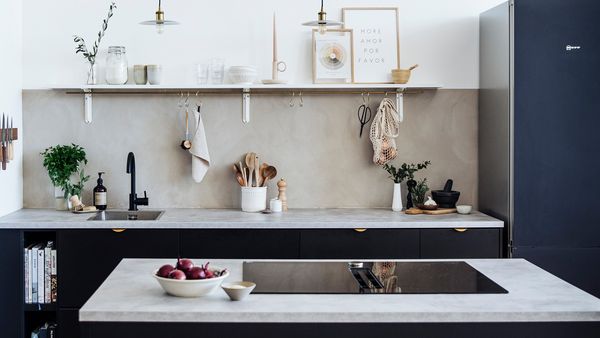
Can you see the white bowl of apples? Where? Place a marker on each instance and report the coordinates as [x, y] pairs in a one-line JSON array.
[[186, 280]]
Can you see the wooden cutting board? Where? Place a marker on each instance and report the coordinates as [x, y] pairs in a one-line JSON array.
[[441, 211]]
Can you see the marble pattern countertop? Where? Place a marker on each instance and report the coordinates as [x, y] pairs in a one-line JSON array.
[[235, 219], [130, 294]]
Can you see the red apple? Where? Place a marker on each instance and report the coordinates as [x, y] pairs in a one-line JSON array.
[[177, 274], [196, 273], [165, 270], [185, 265]]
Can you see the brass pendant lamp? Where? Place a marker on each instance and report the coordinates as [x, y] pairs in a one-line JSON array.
[[322, 23], [159, 20]]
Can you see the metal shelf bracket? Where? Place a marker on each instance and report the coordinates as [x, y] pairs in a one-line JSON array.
[[246, 105], [87, 106], [400, 103]]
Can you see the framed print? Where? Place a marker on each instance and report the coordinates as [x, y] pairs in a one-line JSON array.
[[376, 41], [333, 56]]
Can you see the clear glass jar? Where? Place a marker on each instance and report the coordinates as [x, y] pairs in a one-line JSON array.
[[116, 65]]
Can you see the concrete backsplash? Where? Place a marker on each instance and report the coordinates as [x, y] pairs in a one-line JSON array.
[[316, 148]]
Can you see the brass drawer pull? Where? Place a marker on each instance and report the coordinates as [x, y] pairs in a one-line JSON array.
[[360, 230], [118, 230], [460, 229]]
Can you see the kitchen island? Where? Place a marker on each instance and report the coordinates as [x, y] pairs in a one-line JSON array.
[[222, 234], [131, 303]]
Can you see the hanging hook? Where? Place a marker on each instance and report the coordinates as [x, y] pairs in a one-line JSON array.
[[292, 99], [301, 100], [362, 95], [368, 98]]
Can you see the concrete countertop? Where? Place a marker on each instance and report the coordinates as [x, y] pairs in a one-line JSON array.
[[130, 294], [235, 219]]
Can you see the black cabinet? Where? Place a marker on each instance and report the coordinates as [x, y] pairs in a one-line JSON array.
[[68, 323], [87, 257], [460, 243], [359, 243], [11, 283], [240, 244]]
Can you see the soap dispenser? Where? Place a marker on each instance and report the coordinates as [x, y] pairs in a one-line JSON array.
[[100, 194]]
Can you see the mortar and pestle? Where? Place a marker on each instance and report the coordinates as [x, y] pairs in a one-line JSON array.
[[446, 198]]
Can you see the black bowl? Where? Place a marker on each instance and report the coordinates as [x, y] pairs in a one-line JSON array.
[[445, 199]]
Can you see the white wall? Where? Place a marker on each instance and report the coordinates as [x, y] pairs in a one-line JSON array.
[[440, 35], [11, 180]]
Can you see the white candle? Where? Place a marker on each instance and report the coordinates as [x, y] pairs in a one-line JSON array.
[[274, 38]]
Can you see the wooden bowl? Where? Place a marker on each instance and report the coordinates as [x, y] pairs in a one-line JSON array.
[[401, 76]]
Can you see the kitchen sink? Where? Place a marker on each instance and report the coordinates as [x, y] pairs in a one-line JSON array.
[[126, 216]]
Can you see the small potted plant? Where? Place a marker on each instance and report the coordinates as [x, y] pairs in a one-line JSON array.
[[419, 191], [399, 175], [90, 55], [63, 162]]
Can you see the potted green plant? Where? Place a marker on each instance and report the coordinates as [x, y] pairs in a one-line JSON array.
[[63, 162], [399, 175], [419, 191]]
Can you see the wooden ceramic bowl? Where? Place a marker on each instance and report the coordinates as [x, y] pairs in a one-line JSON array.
[[427, 207], [401, 76]]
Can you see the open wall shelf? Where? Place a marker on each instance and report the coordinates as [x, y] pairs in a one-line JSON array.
[[399, 90]]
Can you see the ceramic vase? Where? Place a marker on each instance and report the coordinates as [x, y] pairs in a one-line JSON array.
[[397, 199], [60, 202]]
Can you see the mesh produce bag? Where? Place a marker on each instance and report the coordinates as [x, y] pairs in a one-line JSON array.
[[384, 129]]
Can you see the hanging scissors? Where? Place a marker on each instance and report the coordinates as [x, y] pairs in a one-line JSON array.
[[364, 113]]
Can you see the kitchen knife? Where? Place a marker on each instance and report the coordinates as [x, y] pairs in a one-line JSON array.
[[3, 143], [11, 149]]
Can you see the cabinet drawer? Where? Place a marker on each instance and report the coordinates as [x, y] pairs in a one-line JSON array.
[[240, 244], [451, 243], [364, 244], [87, 257]]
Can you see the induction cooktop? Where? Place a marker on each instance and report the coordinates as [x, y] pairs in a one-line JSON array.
[[368, 277]]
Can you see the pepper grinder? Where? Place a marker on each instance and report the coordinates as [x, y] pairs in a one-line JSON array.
[[282, 187]]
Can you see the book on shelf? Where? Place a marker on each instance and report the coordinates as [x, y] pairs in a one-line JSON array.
[[47, 271], [34, 272], [48, 330], [53, 276], [40, 274]]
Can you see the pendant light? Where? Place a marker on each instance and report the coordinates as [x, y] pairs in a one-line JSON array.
[[322, 21], [160, 21]]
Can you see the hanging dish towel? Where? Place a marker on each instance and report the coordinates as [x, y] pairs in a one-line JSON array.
[[199, 151]]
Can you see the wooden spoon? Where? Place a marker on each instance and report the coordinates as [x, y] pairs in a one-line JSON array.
[[269, 173], [240, 179], [413, 67], [250, 157], [261, 173]]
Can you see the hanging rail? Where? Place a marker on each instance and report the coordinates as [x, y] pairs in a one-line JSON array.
[[245, 92]]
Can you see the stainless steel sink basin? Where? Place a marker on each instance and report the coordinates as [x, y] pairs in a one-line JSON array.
[[126, 216]]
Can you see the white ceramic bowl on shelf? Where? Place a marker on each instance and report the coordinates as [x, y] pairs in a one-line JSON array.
[[242, 74], [191, 288]]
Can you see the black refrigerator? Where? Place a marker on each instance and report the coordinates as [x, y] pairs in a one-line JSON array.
[[539, 133]]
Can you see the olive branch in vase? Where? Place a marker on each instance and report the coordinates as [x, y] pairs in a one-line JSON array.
[[81, 45]]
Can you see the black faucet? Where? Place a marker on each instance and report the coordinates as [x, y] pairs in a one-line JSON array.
[[134, 201]]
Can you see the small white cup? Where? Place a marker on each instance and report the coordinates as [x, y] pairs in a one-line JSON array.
[[154, 74], [254, 199], [275, 205], [464, 209]]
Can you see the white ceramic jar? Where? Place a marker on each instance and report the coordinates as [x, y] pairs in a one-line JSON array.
[[116, 65], [254, 199]]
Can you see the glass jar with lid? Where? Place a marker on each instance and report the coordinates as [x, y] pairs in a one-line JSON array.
[[116, 65]]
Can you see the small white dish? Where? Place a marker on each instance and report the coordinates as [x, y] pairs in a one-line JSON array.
[[464, 209], [191, 288], [238, 290]]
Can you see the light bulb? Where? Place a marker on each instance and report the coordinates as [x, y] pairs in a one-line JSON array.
[[160, 28], [322, 29]]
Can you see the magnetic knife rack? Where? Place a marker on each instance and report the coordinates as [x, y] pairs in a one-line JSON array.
[[13, 136], [246, 91]]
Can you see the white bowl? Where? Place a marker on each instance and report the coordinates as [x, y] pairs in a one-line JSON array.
[[191, 288], [242, 74], [238, 290], [464, 209]]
